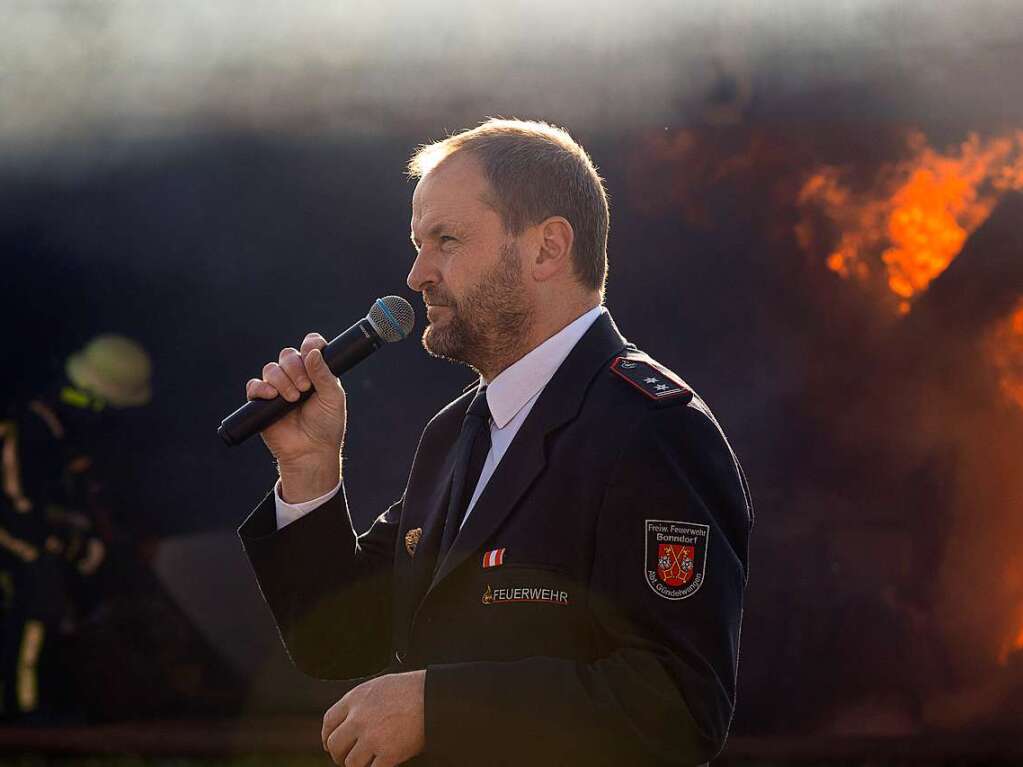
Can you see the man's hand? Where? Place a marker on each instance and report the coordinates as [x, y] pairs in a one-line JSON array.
[[307, 441], [378, 723]]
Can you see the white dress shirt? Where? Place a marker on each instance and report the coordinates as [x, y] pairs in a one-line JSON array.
[[510, 396]]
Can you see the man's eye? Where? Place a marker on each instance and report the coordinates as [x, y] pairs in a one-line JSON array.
[[447, 238]]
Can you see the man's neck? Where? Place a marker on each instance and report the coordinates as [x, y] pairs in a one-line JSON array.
[[542, 330]]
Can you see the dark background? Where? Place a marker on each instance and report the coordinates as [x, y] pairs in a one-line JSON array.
[[216, 187]]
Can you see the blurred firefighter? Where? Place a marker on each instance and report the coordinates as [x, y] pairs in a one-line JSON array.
[[55, 530]]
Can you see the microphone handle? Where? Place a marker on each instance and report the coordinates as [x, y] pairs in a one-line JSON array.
[[341, 355]]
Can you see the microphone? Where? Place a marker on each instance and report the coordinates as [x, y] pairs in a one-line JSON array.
[[389, 319]]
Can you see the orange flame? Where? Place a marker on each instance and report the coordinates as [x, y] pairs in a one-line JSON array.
[[1010, 648], [1005, 349], [919, 212], [907, 228], [1014, 584]]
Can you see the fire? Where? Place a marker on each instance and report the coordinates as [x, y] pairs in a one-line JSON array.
[[899, 229], [1005, 349], [914, 219], [1014, 585]]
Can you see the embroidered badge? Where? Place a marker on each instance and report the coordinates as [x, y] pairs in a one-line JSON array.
[[535, 594], [412, 540], [650, 379], [494, 558], [676, 557]]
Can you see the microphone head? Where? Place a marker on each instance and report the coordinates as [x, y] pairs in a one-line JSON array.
[[392, 317]]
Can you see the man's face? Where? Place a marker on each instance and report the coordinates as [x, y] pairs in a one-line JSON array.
[[468, 268]]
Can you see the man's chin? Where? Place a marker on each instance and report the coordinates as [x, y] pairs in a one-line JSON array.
[[439, 343], [434, 340]]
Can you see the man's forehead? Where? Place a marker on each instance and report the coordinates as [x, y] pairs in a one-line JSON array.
[[455, 188]]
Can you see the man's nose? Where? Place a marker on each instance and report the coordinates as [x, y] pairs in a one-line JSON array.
[[421, 274]]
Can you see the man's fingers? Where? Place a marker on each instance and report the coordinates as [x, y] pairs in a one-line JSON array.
[[257, 388], [332, 718], [292, 364], [359, 756], [312, 341], [341, 741], [324, 381], [274, 375], [312, 355], [295, 372]]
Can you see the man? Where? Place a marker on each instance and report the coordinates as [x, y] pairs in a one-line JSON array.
[[55, 527], [561, 582]]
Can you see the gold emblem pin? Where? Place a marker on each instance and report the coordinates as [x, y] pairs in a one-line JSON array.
[[488, 596], [412, 539]]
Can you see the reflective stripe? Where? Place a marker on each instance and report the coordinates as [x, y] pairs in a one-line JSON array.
[[12, 473], [81, 399], [11, 464], [18, 547], [6, 591], [28, 660], [45, 412]]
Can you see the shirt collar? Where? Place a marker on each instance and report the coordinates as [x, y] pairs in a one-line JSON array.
[[514, 386]]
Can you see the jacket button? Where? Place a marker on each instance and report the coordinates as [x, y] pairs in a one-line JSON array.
[[399, 656]]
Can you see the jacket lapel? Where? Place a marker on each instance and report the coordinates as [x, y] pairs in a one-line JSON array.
[[428, 515], [558, 404]]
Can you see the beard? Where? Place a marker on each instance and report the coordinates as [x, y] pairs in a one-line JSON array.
[[489, 324]]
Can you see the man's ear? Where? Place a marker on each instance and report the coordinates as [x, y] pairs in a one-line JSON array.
[[554, 255]]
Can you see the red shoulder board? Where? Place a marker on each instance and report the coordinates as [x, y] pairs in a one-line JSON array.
[[651, 379]]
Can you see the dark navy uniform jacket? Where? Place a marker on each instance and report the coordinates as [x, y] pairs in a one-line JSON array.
[[607, 630]]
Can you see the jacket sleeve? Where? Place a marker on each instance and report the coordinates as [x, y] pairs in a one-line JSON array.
[[34, 463], [328, 589], [662, 687], [40, 461]]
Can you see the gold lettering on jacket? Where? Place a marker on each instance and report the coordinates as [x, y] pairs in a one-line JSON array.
[[517, 594]]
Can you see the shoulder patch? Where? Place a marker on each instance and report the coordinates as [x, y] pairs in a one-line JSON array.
[[651, 379]]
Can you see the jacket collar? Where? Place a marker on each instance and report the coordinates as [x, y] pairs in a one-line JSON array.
[[517, 384]]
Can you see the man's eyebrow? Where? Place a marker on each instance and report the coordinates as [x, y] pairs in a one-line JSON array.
[[433, 230]]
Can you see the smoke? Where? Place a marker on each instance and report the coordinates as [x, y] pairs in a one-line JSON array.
[[871, 453], [107, 69]]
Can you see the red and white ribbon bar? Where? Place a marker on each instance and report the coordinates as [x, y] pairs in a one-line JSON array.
[[494, 558]]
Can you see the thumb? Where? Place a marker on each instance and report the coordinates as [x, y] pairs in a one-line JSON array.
[[323, 379]]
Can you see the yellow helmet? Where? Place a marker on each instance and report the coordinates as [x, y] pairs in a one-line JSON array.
[[113, 367]]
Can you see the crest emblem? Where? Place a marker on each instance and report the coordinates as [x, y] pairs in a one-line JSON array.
[[412, 540], [675, 564], [676, 557]]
